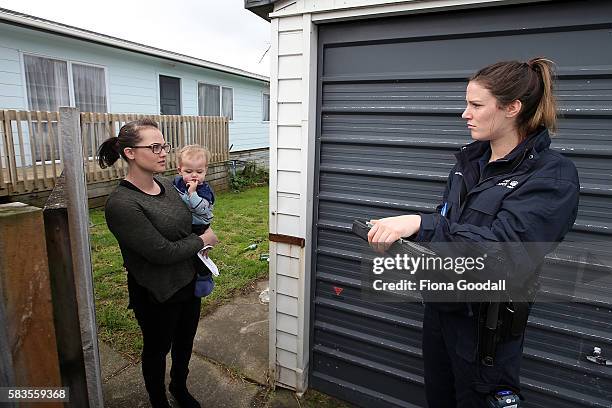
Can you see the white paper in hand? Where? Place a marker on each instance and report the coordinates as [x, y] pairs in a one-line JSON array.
[[209, 264]]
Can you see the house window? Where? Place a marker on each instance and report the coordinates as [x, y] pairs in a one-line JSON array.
[[89, 88], [47, 82], [214, 100], [52, 83], [266, 108], [208, 100], [227, 102]]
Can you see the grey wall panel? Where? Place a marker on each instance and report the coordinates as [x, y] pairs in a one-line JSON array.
[[455, 55], [391, 92], [484, 22]]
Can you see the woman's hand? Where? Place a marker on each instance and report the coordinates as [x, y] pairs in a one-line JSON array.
[[209, 237], [386, 231]]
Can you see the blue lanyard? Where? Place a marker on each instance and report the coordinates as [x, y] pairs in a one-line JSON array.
[[444, 209]]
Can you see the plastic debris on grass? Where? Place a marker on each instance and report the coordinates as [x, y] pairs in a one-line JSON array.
[[264, 296]]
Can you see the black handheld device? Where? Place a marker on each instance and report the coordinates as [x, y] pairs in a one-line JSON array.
[[361, 228]]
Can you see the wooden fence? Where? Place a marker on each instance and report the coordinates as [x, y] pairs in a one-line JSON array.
[[31, 158]]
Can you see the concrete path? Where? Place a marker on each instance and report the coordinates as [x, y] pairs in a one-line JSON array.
[[228, 367], [236, 336]]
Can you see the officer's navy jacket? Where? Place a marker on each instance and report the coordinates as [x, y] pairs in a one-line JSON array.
[[531, 195]]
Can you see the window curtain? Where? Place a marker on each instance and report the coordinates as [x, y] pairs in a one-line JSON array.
[[89, 88], [228, 103], [266, 107], [47, 87], [208, 100], [46, 82]]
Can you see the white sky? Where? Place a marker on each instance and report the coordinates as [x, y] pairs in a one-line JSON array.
[[220, 31]]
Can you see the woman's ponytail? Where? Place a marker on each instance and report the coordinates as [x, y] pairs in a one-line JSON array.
[[546, 112], [108, 152]]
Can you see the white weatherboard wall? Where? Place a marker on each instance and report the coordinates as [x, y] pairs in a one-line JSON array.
[[132, 80], [293, 92], [292, 127]]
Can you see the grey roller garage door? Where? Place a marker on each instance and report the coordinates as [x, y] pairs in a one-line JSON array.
[[391, 92]]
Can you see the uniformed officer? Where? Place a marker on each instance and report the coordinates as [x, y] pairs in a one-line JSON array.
[[506, 186]]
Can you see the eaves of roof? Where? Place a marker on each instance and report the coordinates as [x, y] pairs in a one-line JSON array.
[[260, 7]]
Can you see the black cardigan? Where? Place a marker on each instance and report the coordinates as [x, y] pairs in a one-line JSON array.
[[154, 235]]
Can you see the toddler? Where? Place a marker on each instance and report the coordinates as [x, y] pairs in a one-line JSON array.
[[197, 194]]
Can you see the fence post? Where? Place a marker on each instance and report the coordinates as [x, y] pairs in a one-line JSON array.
[[27, 310], [65, 307], [3, 155], [7, 378], [6, 363], [78, 221], [10, 150]]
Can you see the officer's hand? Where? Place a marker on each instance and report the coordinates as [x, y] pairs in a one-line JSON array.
[[386, 231]]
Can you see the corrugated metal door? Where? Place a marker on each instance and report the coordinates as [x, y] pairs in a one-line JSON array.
[[391, 92]]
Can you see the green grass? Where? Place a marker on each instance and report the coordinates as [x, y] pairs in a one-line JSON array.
[[240, 220]]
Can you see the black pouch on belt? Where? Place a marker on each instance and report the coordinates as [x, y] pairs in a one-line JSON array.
[[507, 317], [521, 315]]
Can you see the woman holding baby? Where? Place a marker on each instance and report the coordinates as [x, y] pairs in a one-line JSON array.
[[154, 229]]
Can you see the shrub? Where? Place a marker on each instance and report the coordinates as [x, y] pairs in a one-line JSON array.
[[251, 176]]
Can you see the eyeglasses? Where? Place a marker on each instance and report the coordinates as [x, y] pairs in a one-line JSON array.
[[156, 148]]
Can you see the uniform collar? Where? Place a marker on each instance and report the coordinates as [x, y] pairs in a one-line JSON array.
[[535, 143]]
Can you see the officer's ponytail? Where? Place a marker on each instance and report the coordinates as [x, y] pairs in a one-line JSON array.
[[529, 82], [546, 111]]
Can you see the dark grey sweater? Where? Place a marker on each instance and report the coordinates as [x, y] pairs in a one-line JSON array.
[[154, 235]]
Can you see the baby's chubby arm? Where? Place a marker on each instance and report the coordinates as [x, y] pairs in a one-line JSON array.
[[197, 204]]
